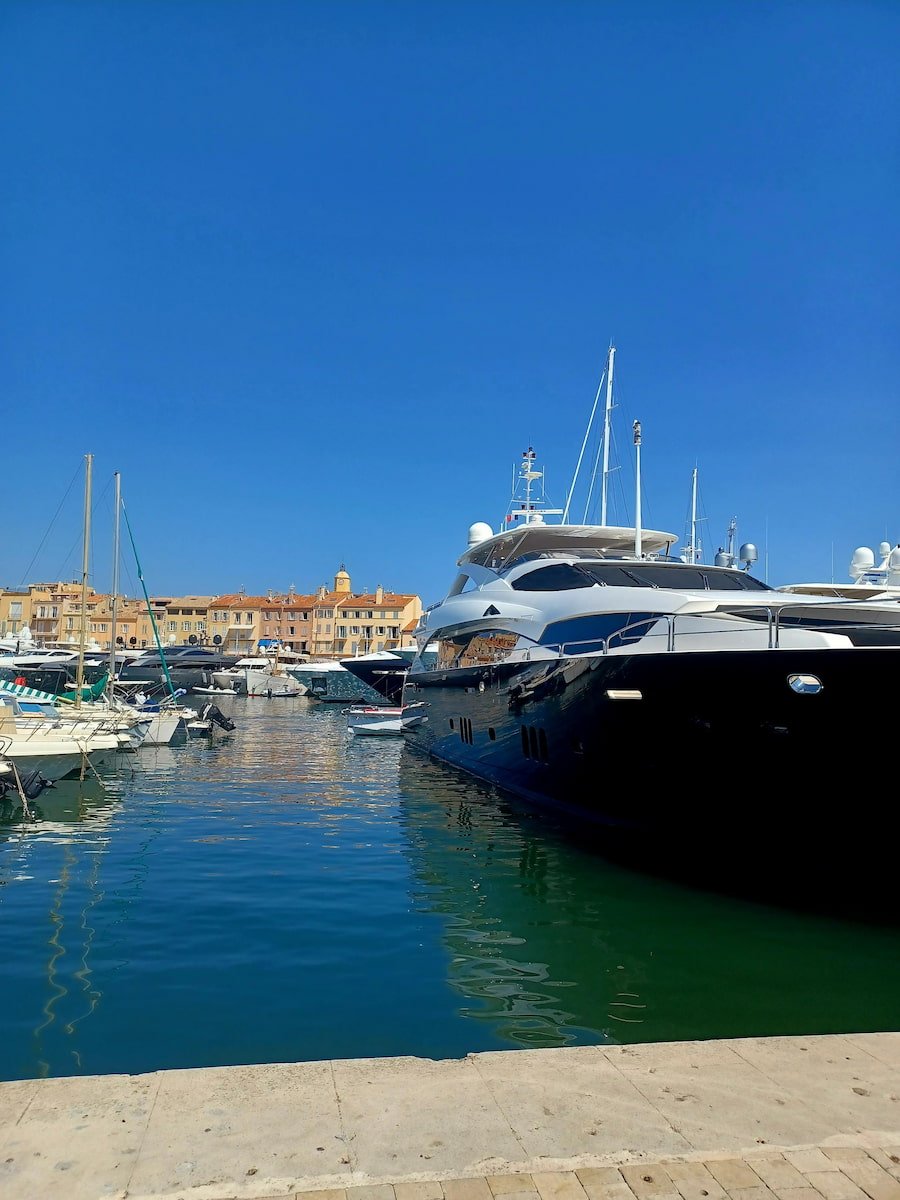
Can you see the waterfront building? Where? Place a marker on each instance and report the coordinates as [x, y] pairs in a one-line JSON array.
[[346, 624], [16, 608], [330, 624], [183, 618]]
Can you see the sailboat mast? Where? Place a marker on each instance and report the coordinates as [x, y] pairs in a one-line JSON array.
[[695, 549], [79, 675], [638, 544], [115, 582], [607, 415]]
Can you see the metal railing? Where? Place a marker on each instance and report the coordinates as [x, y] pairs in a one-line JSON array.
[[772, 622]]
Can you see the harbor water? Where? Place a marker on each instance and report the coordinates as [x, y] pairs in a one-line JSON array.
[[287, 892]]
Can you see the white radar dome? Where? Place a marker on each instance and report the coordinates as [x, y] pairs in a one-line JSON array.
[[884, 549], [479, 532], [863, 560], [894, 560]]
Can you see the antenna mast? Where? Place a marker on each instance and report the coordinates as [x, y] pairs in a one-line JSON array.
[[607, 415], [695, 544], [115, 584], [79, 674], [636, 430]]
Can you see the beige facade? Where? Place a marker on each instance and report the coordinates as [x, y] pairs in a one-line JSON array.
[[134, 629], [183, 618], [15, 611], [329, 624]]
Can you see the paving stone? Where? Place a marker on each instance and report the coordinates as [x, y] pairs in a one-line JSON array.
[[467, 1189], [604, 1183], [503, 1184], [834, 1185], [648, 1180], [371, 1191], [888, 1159], [558, 1185], [694, 1182], [754, 1193], [800, 1193], [521, 1196], [733, 1174], [778, 1173], [326, 1194], [874, 1180], [808, 1160], [429, 1190], [841, 1154]]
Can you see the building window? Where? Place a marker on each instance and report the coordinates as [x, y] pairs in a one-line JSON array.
[[173, 626], [341, 631], [290, 629]]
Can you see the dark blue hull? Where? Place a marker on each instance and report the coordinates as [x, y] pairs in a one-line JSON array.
[[709, 746]]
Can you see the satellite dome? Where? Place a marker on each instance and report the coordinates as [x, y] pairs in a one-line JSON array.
[[863, 560], [479, 532]]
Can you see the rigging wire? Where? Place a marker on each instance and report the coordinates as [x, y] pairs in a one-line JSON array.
[[78, 470], [74, 547]]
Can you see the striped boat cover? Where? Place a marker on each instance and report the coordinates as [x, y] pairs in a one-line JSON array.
[[19, 689]]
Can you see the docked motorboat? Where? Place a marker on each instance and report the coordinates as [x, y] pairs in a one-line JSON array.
[[259, 675], [869, 580], [585, 667], [187, 667], [44, 742], [387, 719], [384, 671], [330, 681]]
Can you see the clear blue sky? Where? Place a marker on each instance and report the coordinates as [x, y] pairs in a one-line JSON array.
[[312, 275]]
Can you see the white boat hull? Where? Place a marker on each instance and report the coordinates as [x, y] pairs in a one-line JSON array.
[[380, 721], [162, 729], [267, 683]]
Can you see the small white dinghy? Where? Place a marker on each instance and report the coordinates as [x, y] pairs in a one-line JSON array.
[[381, 719]]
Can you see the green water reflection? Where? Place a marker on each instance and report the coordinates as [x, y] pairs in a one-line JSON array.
[[289, 892]]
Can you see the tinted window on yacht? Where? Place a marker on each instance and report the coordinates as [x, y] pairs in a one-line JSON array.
[[558, 577], [581, 635], [675, 576], [611, 575], [734, 581]]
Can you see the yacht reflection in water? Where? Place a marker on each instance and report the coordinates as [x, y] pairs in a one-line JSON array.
[[551, 942], [532, 933]]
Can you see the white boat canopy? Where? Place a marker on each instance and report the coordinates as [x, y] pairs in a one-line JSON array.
[[503, 549]]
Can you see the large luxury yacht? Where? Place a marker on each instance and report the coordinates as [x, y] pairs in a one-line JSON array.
[[584, 666]]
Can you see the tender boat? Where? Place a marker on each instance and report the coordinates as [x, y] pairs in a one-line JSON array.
[[377, 720]]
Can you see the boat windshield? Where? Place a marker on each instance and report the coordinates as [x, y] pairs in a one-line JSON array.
[[558, 577]]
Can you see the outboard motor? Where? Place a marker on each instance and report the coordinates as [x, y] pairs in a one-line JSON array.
[[33, 783], [30, 785], [212, 712]]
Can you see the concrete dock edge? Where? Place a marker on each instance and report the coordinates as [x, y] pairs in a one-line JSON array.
[[511, 1122]]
